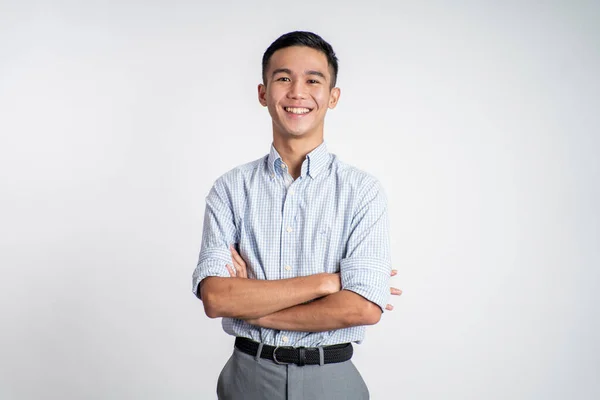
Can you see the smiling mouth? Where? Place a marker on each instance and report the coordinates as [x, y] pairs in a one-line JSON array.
[[297, 110]]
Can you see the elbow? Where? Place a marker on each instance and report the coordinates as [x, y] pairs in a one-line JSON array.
[[210, 306], [210, 309], [210, 300], [215, 294], [364, 312], [371, 313], [211, 313]]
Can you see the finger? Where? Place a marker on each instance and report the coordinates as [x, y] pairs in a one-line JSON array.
[[242, 272], [236, 265], [239, 263], [237, 257], [231, 270], [394, 272], [389, 307], [395, 291], [240, 269]]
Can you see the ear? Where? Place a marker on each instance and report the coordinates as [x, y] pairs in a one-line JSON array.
[[334, 96], [262, 94]]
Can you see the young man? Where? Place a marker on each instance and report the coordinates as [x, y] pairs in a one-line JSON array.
[[295, 250]]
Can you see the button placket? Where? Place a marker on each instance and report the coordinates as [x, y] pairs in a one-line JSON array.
[[288, 235], [291, 205], [288, 239]]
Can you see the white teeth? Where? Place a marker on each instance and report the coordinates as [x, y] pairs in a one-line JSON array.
[[297, 110]]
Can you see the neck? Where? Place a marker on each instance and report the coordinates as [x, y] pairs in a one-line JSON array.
[[293, 151]]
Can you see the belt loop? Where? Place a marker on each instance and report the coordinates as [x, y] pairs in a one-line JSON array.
[[259, 352], [321, 356], [301, 356]]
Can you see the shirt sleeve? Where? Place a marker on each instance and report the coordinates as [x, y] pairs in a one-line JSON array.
[[367, 266], [219, 231]]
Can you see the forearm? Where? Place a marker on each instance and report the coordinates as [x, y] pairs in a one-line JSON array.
[[336, 311], [250, 298]]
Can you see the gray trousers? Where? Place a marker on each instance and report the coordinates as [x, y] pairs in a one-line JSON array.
[[245, 377]]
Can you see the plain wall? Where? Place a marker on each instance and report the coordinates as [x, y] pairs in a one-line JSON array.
[[481, 119]]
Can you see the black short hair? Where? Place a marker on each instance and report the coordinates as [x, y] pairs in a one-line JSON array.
[[301, 38]]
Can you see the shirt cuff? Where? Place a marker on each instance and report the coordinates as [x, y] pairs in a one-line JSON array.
[[368, 277], [211, 263]]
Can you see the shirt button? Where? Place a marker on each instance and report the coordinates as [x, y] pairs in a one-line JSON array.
[[285, 339], [292, 191], [289, 229], [288, 268]]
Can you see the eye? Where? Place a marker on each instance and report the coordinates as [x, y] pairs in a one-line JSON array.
[[284, 79], [313, 81]]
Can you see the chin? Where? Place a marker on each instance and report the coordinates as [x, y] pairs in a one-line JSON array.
[[298, 134], [294, 132]]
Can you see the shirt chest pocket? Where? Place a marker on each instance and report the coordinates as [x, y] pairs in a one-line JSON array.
[[320, 239], [326, 249], [323, 232]]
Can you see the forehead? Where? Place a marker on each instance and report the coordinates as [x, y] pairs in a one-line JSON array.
[[299, 59]]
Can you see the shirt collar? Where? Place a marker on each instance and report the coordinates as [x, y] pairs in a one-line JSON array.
[[272, 159], [315, 162]]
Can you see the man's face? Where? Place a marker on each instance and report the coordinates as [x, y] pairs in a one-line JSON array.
[[297, 92]]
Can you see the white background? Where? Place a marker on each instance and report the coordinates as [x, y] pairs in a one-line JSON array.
[[481, 119]]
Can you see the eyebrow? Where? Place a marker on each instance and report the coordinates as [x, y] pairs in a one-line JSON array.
[[317, 73], [281, 71], [288, 71]]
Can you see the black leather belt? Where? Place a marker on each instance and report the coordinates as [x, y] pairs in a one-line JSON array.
[[296, 355]]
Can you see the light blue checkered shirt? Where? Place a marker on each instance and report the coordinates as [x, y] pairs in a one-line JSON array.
[[333, 218]]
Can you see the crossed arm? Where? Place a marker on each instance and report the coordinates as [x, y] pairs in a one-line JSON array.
[[312, 303], [286, 304]]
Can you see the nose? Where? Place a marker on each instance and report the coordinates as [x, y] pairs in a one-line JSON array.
[[297, 90]]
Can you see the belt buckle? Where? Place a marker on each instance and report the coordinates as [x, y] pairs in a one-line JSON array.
[[275, 355]]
